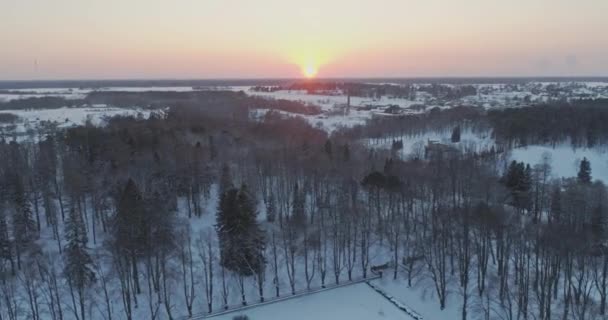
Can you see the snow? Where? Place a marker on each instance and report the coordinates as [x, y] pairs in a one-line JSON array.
[[80, 93], [145, 89], [469, 141], [421, 298], [67, 117], [356, 302], [565, 159]]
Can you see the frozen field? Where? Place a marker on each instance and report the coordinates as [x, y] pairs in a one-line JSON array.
[[67, 117], [421, 298], [356, 302], [78, 93], [565, 160]]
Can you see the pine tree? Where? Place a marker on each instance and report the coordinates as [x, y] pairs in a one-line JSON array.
[[252, 257], [456, 135], [298, 214], [225, 179], [346, 153], [328, 148], [130, 228], [584, 172], [513, 176], [270, 209], [226, 218], [6, 247], [241, 239], [556, 204], [519, 180], [24, 226], [78, 263], [129, 218]]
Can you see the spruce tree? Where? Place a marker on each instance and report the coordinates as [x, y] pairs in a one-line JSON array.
[[226, 219], [252, 257], [328, 148], [346, 153], [130, 228], [456, 134], [556, 204], [270, 209], [584, 172], [298, 214], [78, 263], [24, 226], [512, 177], [225, 180], [6, 247], [241, 239]]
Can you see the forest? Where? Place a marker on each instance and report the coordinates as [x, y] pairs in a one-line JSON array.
[[200, 208]]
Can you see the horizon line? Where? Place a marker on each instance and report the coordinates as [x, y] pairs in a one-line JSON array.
[[308, 79]]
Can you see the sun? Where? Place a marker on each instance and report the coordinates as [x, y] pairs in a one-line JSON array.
[[310, 70]]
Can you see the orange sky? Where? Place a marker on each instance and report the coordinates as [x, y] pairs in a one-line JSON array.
[[74, 39]]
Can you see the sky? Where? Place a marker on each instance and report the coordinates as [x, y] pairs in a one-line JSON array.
[[140, 39]]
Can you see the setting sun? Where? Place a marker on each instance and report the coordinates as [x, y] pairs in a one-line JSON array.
[[310, 71]]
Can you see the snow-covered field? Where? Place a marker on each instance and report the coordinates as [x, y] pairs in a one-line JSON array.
[[470, 141], [356, 302], [333, 103], [78, 93], [67, 117], [421, 298], [565, 160], [488, 96]]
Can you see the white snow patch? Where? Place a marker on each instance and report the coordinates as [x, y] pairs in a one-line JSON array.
[[356, 302], [565, 160]]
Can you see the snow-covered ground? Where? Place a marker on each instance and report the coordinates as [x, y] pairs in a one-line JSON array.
[[67, 117], [488, 96], [356, 302], [421, 298], [363, 108], [470, 141], [565, 160], [78, 93]]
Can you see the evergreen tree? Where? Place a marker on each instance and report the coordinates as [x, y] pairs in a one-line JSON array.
[[346, 152], [225, 179], [6, 247], [129, 220], [78, 263], [328, 148], [584, 172], [456, 135], [251, 257], [130, 228], [241, 239], [513, 176], [298, 214], [556, 204], [270, 209], [519, 181], [226, 219], [24, 226]]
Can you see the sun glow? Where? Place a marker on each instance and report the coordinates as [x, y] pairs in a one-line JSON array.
[[310, 71], [309, 60]]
